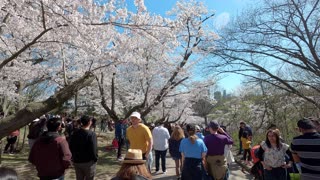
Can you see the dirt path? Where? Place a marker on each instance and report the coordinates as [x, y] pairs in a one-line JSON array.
[[236, 172]]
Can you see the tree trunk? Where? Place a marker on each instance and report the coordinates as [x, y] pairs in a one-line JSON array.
[[1, 145], [206, 120], [36, 109], [76, 104], [17, 142], [24, 138]]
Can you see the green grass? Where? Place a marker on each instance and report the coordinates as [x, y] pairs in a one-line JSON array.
[[106, 168]]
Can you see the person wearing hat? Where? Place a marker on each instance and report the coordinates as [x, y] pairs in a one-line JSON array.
[[306, 149], [139, 135], [215, 142], [133, 167], [193, 152]]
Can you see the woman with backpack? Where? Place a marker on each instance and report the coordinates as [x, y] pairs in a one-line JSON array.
[[193, 152]]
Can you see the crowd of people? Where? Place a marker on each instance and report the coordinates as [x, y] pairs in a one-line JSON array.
[[198, 153]]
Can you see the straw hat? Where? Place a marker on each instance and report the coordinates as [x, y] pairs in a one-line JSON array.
[[134, 156]]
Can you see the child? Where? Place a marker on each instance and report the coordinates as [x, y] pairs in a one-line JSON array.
[[246, 143]]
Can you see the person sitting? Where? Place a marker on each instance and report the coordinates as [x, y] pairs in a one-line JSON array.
[[133, 167]]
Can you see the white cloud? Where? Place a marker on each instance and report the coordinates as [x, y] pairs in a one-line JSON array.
[[221, 20]]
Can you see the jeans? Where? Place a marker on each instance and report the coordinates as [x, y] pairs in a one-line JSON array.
[[275, 174], [162, 155], [240, 146], [121, 142], [149, 162], [85, 171]]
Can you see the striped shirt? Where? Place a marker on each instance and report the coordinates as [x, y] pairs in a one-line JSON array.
[[307, 147]]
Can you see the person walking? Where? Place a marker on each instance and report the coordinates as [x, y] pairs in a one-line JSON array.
[[139, 135], [50, 153], [215, 142], [83, 145], [160, 136], [306, 149], [193, 152], [174, 144], [36, 128], [120, 134], [272, 154], [11, 140]]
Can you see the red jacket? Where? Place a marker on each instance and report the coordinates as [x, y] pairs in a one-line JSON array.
[[15, 133], [51, 155]]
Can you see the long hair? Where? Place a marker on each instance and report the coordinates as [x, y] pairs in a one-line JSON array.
[[277, 138], [128, 171], [192, 133], [177, 133]]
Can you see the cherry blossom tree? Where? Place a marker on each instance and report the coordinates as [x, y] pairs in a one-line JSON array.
[[163, 61], [138, 59]]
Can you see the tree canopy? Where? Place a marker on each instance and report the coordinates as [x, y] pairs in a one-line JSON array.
[[275, 42]]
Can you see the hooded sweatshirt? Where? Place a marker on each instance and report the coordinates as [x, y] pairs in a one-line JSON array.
[[51, 155]]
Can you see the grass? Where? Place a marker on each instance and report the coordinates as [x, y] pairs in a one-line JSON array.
[[106, 168]]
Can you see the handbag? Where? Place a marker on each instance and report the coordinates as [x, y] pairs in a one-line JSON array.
[[115, 143], [294, 176]]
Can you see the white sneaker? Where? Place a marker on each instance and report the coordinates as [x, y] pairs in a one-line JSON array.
[[120, 159], [164, 172]]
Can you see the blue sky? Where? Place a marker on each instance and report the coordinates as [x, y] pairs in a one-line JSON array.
[[224, 10]]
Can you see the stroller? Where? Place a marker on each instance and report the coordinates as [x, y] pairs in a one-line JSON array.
[[257, 168]]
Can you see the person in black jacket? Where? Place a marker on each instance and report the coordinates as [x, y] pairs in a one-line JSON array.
[[243, 127], [83, 146]]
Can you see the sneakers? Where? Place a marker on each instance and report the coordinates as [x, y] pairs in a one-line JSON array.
[[164, 172], [120, 159]]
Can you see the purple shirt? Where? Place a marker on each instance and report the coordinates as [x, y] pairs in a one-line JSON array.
[[216, 142]]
